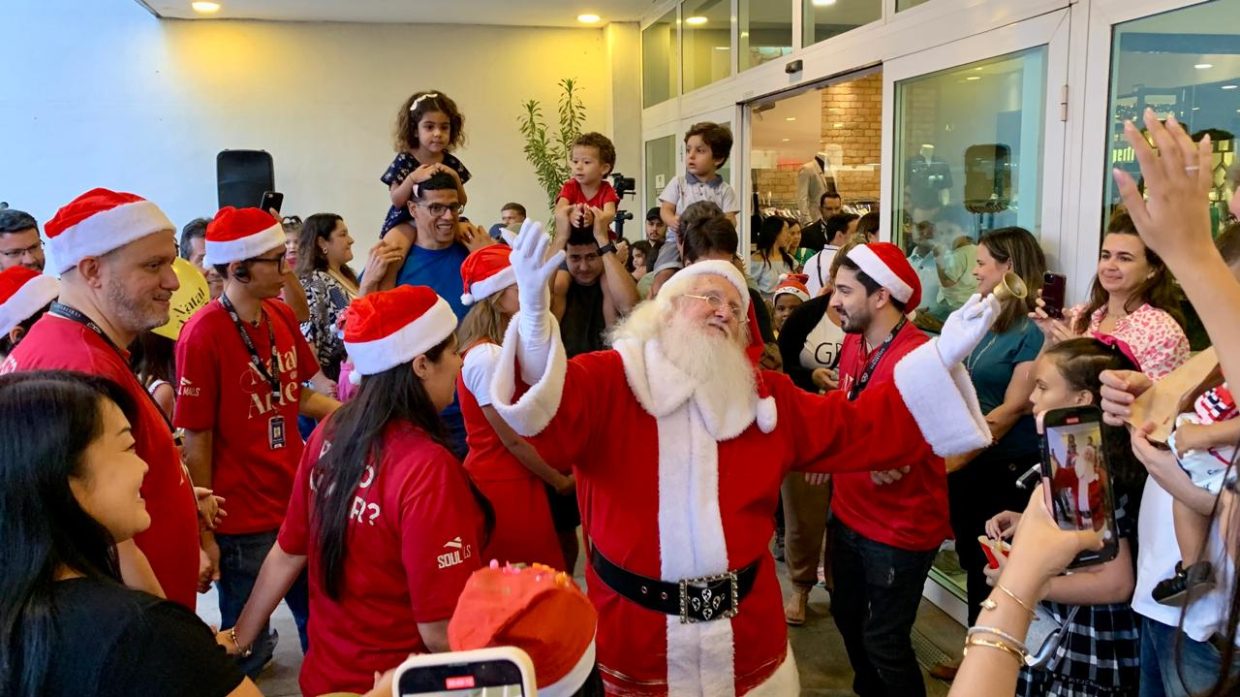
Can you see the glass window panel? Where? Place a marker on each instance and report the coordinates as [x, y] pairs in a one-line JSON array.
[[662, 163], [660, 60], [1184, 63], [968, 156], [766, 31], [902, 5], [824, 19], [707, 35]]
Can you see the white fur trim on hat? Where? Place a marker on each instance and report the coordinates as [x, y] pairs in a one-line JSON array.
[[489, 286], [33, 296], [679, 284], [220, 253], [868, 261], [104, 232], [404, 344], [568, 685]]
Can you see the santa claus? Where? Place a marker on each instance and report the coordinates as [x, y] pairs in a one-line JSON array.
[[679, 446]]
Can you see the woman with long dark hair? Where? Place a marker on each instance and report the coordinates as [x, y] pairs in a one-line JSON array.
[[771, 259], [381, 511], [324, 250], [70, 485]]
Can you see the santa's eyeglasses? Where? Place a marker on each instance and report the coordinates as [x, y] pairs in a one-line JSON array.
[[717, 303]]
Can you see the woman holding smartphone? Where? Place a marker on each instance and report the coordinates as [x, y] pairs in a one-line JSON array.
[[1100, 647], [381, 511]]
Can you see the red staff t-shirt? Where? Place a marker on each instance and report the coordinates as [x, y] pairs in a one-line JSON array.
[[220, 390], [171, 543], [911, 513], [572, 191], [413, 539]]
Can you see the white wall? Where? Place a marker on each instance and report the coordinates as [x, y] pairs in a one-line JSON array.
[[100, 93]]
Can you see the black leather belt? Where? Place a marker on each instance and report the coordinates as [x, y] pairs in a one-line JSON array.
[[692, 599]]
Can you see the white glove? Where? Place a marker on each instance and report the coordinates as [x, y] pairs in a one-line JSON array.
[[964, 328], [534, 272]]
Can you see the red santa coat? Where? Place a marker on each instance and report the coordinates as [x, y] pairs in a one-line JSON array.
[[676, 488]]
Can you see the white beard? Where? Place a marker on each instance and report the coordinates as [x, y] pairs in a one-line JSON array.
[[716, 365]]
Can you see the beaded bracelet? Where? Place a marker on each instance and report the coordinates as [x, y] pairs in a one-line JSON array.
[[1000, 645]]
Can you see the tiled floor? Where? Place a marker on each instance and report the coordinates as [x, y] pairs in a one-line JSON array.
[[817, 645]]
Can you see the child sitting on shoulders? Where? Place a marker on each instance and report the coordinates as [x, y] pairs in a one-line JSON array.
[[592, 158]]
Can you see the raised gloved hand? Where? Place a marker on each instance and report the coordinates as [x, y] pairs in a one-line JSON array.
[[532, 268], [965, 328]]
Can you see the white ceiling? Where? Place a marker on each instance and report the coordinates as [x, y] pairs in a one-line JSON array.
[[525, 13]]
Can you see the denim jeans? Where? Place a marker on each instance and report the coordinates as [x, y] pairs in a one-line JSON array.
[[1164, 674], [241, 557], [877, 592]]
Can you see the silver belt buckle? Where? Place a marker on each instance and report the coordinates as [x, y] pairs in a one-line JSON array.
[[696, 594]]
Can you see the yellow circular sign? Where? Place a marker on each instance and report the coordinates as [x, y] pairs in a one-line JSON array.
[[188, 299]]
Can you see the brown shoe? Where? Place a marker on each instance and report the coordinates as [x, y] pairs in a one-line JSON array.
[[794, 609], [945, 671]]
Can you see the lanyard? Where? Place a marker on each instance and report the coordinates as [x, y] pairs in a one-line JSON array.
[[872, 363], [74, 315], [271, 376]]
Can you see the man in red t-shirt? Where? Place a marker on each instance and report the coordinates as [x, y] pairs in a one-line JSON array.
[[886, 526], [240, 364], [114, 254]]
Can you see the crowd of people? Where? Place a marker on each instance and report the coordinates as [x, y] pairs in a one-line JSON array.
[[455, 426]]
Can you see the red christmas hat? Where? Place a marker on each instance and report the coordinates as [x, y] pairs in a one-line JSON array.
[[886, 264], [536, 609], [97, 222], [23, 292], [485, 272], [680, 284], [385, 329], [793, 284], [237, 234]]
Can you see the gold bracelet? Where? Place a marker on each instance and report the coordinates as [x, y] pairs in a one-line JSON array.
[[999, 633], [1019, 602], [244, 653], [1000, 645]]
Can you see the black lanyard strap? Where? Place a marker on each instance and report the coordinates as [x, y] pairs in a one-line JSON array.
[[74, 315], [872, 363], [272, 376]]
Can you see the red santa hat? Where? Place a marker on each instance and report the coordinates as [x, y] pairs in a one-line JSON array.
[[485, 272], [887, 265], [682, 282], [23, 292], [536, 609], [97, 222], [793, 284], [237, 234], [385, 329]]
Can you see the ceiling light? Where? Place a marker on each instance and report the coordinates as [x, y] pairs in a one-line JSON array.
[[838, 125], [973, 78], [205, 7], [1204, 66], [790, 118], [588, 19], [723, 48], [1229, 87], [695, 20], [823, 3], [787, 140]]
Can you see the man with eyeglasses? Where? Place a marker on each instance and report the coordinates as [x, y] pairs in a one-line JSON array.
[[679, 445], [594, 293], [241, 362], [19, 240]]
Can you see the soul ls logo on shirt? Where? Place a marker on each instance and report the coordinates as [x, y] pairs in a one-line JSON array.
[[457, 553]]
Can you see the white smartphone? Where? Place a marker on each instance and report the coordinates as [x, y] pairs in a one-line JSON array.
[[497, 672]]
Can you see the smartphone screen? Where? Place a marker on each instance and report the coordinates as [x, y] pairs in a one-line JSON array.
[[1080, 481], [1054, 288], [472, 679], [272, 201]]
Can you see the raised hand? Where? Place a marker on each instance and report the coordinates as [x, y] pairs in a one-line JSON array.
[[533, 268], [965, 328]]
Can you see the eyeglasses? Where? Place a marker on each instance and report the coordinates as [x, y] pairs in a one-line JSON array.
[[13, 254], [717, 303], [438, 209], [280, 261]]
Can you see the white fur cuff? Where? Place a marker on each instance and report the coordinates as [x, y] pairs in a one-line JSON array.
[[530, 414], [942, 402]]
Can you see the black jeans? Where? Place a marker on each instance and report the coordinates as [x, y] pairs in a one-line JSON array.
[[984, 487], [877, 592]]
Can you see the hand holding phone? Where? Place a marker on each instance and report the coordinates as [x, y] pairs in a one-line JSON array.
[[1054, 290], [1074, 464], [271, 201]]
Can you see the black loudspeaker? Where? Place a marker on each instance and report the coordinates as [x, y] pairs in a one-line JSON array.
[[243, 176], [987, 178]]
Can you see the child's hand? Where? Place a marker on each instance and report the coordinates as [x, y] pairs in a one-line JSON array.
[[1191, 436], [577, 214], [474, 237], [1002, 525], [423, 173], [382, 257]]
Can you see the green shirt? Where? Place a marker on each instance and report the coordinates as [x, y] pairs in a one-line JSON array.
[[992, 365]]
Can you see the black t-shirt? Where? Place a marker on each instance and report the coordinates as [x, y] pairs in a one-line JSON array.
[[584, 324], [111, 640]]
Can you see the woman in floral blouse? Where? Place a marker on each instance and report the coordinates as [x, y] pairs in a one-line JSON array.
[[1133, 299], [324, 249]]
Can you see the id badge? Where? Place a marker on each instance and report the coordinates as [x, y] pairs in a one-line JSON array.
[[275, 432]]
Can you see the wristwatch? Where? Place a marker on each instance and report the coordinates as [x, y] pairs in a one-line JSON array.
[[609, 248]]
